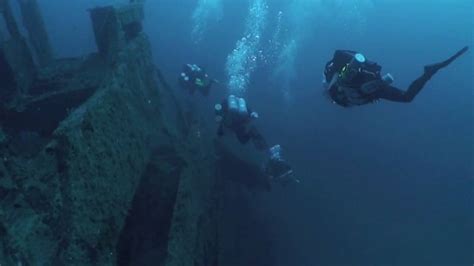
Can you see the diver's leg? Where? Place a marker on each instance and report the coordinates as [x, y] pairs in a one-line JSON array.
[[258, 140], [417, 85], [432, 69], [394, 94], [242, 136]]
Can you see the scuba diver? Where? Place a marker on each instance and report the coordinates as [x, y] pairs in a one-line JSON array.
[[278, 170], [194, 78], [234, 115], [353, 80]]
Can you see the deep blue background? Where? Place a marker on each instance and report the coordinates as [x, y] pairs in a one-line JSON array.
[[383, 184]]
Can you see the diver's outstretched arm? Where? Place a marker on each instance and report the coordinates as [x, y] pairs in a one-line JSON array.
[[394, 94]]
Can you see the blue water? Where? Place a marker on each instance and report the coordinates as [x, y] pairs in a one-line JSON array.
[[383, 184]]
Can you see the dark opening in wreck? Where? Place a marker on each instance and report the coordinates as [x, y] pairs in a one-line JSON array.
[[144, 237]]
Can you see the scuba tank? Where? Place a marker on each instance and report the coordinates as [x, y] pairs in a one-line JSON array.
[[351, 70], [236, 110], [232, 103], [243, 111], [237, 106]]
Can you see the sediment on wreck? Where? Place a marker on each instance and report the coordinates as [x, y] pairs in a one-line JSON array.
[[99, 166], [67, 182]]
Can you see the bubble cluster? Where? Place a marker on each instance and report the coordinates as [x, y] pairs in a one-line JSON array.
[[243, 60], [274, 44], [285, 70], [291, 29], [352, 14], [297, 22], [206, 11]]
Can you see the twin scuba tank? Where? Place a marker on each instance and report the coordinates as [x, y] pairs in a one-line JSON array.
[[237, 109]]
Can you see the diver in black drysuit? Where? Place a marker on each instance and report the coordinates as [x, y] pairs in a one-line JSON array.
[[194, 78], [233, 114], [239, 123], [278, 170], [352, 80]]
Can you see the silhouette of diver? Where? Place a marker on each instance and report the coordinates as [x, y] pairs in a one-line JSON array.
[[353, 80]]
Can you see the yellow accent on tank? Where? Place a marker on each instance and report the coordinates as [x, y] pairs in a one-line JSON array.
[[199, 82], [343, 71]]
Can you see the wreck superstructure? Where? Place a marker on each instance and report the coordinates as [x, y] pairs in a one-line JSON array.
[[99, 166]]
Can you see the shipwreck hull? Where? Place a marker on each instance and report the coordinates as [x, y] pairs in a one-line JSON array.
[[99, 166]]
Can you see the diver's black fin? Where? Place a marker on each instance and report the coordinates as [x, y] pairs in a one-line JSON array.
[[432, 69]]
